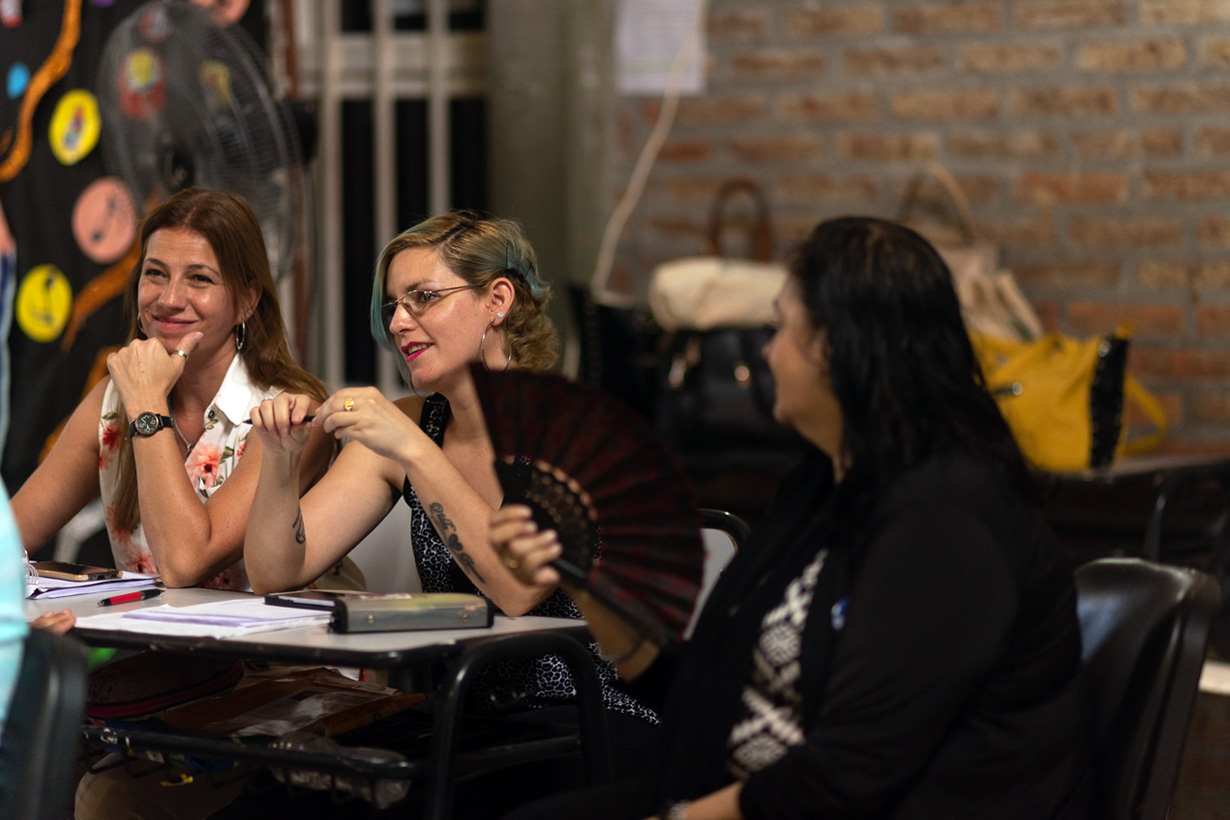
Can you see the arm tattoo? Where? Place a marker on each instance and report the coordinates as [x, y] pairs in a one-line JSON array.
[[443, 525], [300, 535]]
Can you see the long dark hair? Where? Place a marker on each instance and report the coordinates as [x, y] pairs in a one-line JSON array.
[[900, 360]]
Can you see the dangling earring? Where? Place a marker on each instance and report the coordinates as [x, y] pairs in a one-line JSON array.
[[141, 326], [482, 344], [241, 334]]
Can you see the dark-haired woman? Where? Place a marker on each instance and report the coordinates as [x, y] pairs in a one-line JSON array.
[[162, 437], [899, 640]]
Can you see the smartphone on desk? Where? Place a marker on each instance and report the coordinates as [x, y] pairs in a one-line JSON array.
[[312, 598], [69, 571]]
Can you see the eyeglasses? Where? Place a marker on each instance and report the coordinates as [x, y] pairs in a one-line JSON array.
[[416, 302]]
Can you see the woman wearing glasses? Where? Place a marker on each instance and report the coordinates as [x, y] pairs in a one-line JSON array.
[[450, 291]]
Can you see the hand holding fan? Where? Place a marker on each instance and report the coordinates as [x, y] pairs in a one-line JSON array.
[[594, 471]]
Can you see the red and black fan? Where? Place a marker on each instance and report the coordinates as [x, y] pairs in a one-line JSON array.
[[594, 471]]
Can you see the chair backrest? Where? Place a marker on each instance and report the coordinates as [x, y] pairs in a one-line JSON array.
[[1144, 629], [722, 534], [42, 734]]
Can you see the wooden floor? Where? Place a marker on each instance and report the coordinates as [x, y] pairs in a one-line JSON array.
[[1203, 792]]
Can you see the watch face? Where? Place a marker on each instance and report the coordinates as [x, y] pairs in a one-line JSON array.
[[147, 424]]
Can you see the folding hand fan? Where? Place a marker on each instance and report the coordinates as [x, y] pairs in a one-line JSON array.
[[593, 470]]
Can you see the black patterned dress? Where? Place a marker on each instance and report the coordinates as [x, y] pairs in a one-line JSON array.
[[516, 685]]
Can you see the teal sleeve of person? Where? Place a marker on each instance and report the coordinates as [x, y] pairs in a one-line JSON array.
[[12, 603]]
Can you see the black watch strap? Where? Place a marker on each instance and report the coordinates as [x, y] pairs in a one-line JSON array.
[[147, 424]]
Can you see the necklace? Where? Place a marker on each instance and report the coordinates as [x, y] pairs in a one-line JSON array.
[[188, 445]]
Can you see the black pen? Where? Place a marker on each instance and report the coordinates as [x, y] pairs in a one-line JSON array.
[[130, 597], [306, 419]]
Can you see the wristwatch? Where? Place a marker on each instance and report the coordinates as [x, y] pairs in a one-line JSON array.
[[147, 424]]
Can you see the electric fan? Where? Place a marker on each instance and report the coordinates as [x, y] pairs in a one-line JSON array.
[[187, 102], [593, 470]]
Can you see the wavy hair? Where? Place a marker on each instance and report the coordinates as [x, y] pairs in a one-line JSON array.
[[479, 251]]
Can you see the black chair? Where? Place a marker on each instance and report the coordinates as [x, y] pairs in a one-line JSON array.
[[42, 733], [1145, 629]]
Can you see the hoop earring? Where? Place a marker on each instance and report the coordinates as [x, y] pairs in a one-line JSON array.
[[241, 334], [482, 346], [141, 327]]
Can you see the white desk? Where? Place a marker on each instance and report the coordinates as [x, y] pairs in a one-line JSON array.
[[470, 648]]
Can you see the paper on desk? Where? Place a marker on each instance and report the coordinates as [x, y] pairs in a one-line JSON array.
[[61, 588], [220, 619]]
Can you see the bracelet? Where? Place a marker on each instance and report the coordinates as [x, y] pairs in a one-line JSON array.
[[620, 657], [677, 811]]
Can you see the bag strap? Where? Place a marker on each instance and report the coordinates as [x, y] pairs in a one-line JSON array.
[[1135, 393], [762, 231], [956, 197]]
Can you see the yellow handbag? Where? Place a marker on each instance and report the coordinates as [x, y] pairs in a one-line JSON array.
[[1064, 398]]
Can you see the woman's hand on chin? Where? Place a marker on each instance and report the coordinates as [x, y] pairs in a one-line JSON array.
[[144, 372]]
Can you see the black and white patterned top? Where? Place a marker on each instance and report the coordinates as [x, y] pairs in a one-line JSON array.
[[773, 720], [505, 686]]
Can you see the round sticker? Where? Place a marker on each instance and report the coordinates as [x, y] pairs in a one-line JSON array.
[[141, 86], [18, 80], [105, 220], [225, 12], [75, 126], [44, 302]]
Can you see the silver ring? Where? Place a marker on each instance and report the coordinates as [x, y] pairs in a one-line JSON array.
[[179, 352]]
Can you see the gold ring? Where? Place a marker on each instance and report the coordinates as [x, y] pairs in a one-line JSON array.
[[348, 405], [512, 563], [179, 352]]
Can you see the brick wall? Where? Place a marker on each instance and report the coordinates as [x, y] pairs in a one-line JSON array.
[[1092, 136]]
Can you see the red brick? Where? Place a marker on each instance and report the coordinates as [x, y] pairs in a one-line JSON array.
[[1181, 98], [1008, 57], [1176, 274], [888, 147], [778, 65], [1145, 55], [1111, 144], [673, 228], [1180, 364], [810, 188], [892, 62], [1172, 409], [864, 18], [1210, 409], [691, 190], [1016, 144], [720, 109], [686, 150], [1186, 186], [1215, 53], [1086, 188], [1050, 15], [1099, 317], [1028, 234], [1213, 320], [1073, 274], [1214, 230], [950, 18], [834, 107], [777, 149], [1213, 141], [962, 104], [1162, 142], [1120, 232], [1070, 101], [738, 26], [1183, 12]]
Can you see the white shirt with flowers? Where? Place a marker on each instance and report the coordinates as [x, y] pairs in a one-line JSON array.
[[208, 465]]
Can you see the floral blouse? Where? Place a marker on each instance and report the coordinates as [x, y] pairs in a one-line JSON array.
[[208, 465]]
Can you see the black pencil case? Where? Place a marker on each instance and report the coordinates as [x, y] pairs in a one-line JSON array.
[[427, 610]]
